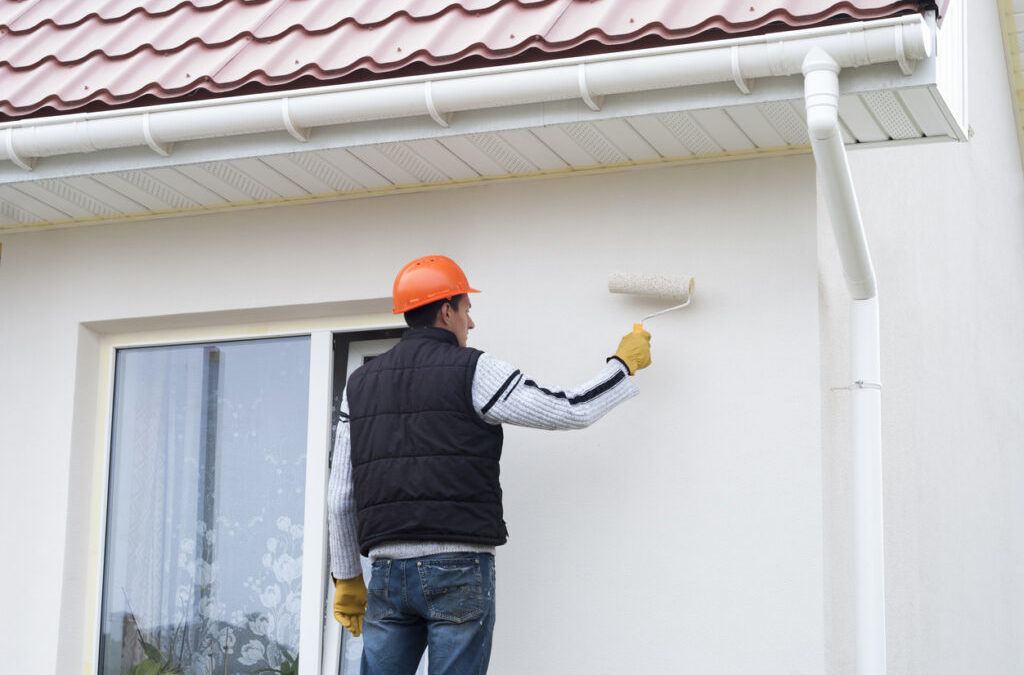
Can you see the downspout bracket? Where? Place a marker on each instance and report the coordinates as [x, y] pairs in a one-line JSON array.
[[859, 384]]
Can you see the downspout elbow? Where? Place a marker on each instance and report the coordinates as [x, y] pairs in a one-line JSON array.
[[821, 91]]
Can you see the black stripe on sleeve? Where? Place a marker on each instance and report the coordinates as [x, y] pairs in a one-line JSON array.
[[588, 395], [513, 388], [497, 394]]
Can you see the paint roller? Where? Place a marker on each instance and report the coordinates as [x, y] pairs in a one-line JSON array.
[[667, 287]]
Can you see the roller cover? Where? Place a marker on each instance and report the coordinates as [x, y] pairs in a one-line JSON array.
[[670, 287]]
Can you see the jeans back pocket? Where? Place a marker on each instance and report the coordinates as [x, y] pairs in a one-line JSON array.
[[453, 588], [378, 605]]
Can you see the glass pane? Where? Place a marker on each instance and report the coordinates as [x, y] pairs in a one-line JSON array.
[[204, 522]]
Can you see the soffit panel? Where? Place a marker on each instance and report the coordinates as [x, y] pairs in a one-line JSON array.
[[538, 140]]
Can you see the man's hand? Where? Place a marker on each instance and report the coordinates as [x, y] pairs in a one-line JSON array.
[[635, 350], [350, 603]]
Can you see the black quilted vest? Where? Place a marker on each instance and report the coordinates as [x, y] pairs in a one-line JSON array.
[[424, 465]]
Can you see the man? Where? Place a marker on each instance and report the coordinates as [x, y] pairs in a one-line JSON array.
[[414, 484]]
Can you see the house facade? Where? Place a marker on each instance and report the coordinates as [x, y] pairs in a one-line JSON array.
[[184, 286]]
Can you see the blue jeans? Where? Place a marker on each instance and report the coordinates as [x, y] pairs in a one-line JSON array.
[[444, 602]]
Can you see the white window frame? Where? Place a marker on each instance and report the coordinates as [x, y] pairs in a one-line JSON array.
[[316, 619]]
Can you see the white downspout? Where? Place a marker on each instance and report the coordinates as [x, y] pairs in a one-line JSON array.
[[821, 90]]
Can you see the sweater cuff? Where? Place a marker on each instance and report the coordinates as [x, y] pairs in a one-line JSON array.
[[616, 358]]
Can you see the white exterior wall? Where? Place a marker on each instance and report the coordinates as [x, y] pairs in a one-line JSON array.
[[945, 225], [681, 533], [702, 528]]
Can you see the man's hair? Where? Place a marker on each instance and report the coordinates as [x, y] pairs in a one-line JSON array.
[[419, 317]]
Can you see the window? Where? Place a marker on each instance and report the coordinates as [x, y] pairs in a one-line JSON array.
[[206, 502], [218, 463]]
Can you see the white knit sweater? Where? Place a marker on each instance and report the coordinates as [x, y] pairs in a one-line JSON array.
[[501, 395]]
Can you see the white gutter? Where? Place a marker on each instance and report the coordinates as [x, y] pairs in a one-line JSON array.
[[821, 90], [903, 40]]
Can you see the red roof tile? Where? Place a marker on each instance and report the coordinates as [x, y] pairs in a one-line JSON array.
[[58, 57]]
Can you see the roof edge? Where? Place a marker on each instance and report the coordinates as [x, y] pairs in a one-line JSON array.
[[261, 76], [905, 40]]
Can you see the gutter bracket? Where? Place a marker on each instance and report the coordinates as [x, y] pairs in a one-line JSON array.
[[162, 149], [737, 73], [26, 163], [301, 134], [594, 103], [443, 120]]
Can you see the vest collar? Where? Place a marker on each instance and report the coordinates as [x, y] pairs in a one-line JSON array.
[[431, 333]]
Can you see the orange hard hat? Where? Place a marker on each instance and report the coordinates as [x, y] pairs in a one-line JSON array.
[[426, 280]]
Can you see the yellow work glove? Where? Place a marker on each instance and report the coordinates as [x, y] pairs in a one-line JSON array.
[[350, 603], [635, 350]]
